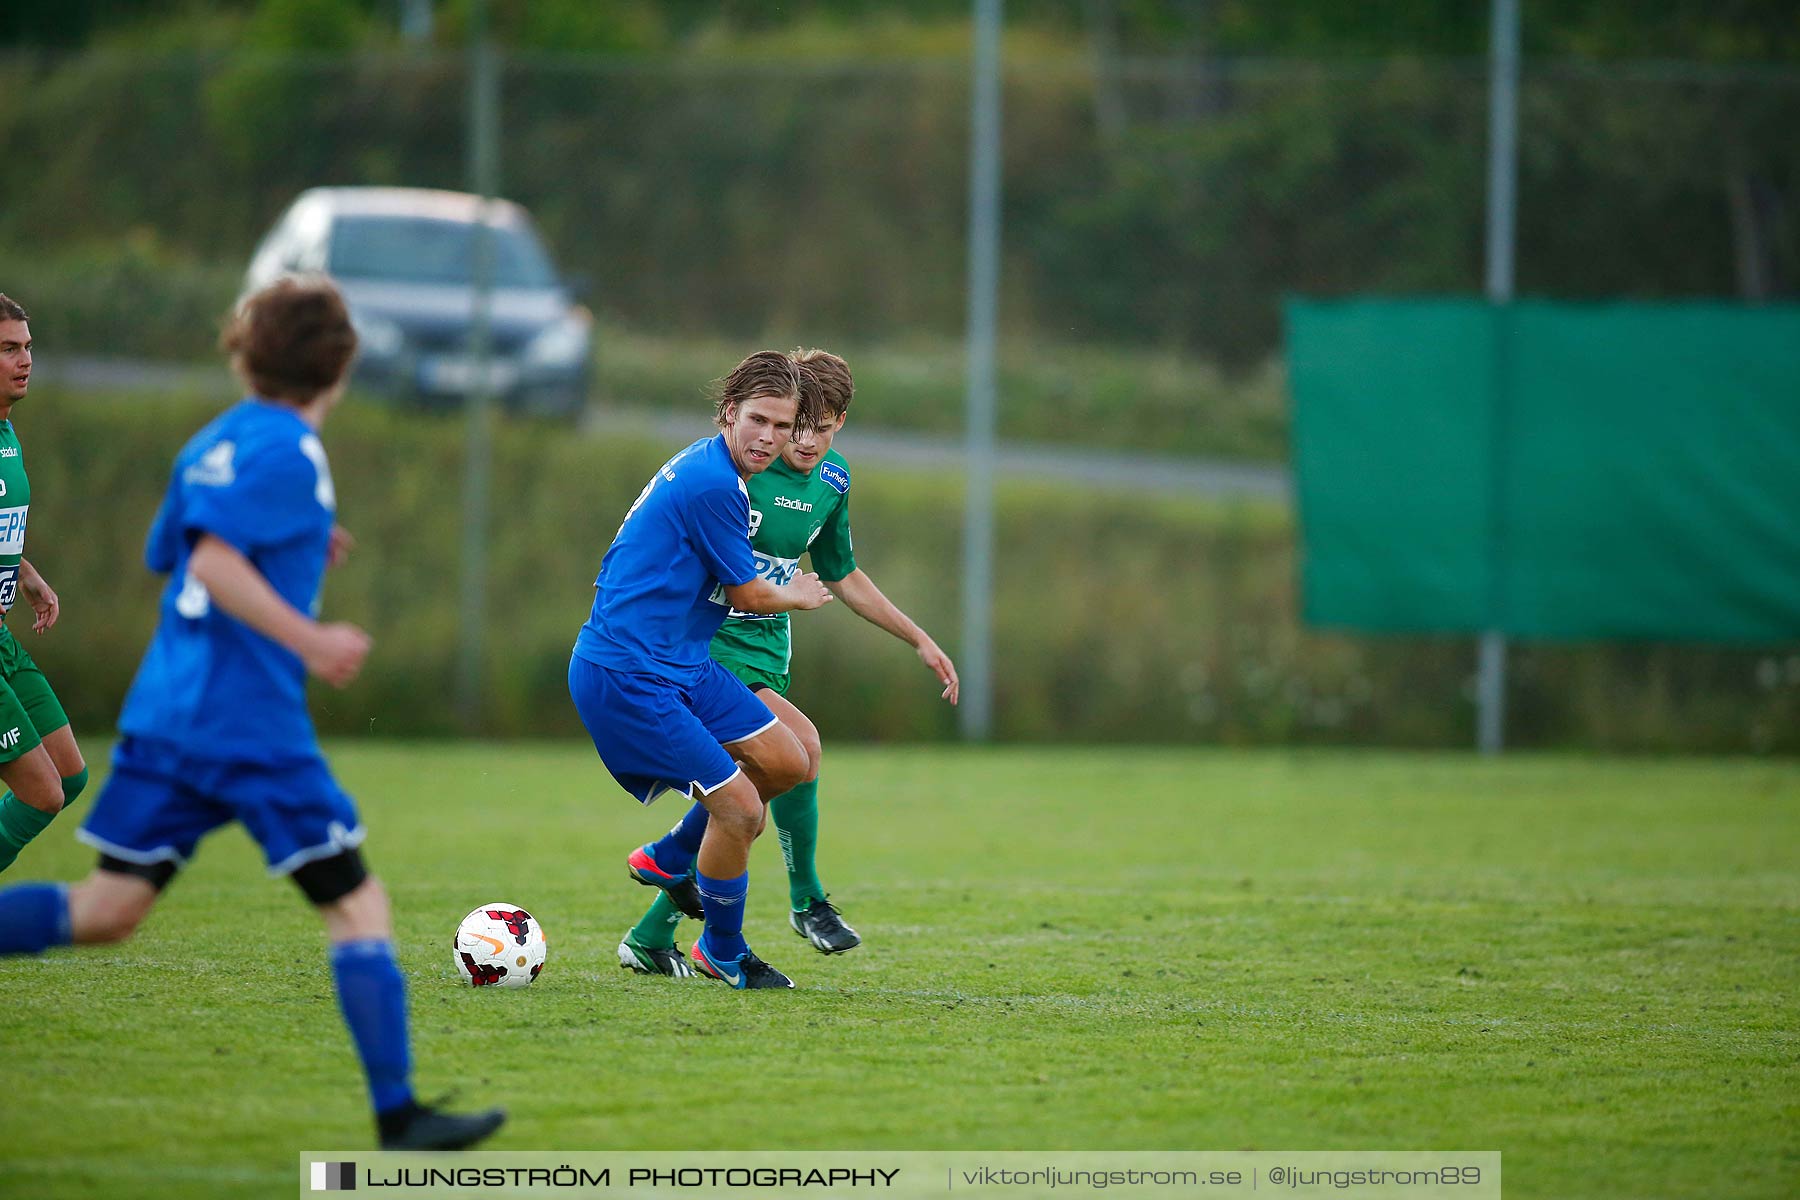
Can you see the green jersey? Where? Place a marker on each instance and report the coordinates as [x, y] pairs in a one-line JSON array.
[[790, 514], [15, 501]]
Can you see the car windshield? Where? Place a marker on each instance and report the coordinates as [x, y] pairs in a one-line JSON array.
[[424, 250]]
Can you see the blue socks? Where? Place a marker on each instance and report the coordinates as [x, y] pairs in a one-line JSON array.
[[372, 995], [723, 900], [33, 918], [674, 852]]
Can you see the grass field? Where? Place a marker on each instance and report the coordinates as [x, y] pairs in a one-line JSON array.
[[1589, 965]]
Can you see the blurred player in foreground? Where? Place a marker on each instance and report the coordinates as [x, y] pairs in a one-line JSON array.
[[215, 728], [663, 715], [39, 760], [799, 505]]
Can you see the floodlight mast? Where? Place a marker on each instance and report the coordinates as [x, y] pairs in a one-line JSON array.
[[1503, 178]]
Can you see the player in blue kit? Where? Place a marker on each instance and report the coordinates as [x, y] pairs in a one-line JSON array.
[[663, 715], [215, 727]]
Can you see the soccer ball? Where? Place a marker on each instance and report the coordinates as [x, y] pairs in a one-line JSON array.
[[499, 945]]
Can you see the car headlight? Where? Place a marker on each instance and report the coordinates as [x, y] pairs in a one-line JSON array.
[[564, 344], [378, 336]]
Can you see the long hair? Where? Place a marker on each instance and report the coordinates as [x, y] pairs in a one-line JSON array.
[[823, 372], [770, 374]]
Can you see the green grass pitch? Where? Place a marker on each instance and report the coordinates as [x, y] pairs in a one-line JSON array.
[[1592, 966]]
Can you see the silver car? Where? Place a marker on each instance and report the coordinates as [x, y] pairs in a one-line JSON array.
[[405, 260]]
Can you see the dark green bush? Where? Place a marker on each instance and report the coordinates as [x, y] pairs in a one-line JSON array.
[[801, 197], [133, 299]]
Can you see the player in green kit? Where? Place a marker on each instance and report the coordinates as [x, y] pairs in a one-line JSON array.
[[799, 505], [39, 760]]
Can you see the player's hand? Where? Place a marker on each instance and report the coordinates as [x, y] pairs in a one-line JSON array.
[[336, 652], [809, 592], [942, 667], [337, 553], [43, 603]]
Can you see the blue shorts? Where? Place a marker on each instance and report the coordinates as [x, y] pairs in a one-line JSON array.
[[159, 802], [655, 735]]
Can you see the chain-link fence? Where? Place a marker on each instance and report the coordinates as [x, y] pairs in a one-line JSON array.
[[1168, 204], [1156, 212]]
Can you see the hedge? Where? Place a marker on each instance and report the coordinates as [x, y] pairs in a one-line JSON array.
[[1120, 617]]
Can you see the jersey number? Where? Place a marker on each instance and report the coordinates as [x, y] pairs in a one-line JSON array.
[[666, 471], [193, 601]]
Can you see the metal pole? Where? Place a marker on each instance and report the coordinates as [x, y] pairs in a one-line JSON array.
[[1503, 178], [977, 672], [1103, 46], [415, 21], [484, 122]]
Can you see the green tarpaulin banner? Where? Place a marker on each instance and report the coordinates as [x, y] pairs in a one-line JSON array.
[[1555, 471]]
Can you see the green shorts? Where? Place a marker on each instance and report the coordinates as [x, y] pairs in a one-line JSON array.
[[751, 676], [28, 708]]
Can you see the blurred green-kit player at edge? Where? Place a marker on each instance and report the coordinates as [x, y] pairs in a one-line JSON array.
[[39, 760]]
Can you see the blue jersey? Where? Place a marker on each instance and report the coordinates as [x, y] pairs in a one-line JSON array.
[[659, 598], [256, 478]]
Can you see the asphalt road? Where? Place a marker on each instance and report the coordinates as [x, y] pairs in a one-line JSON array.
[[1107, 469], [1112, 470]]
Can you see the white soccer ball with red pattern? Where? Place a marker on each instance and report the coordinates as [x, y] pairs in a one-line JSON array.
[[499, 945]]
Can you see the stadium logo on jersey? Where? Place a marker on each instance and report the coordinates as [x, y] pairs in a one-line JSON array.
[[796, 505], [9, 452], [835, 477], [215, 468]]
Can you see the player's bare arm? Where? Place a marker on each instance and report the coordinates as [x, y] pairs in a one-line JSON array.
[[868, 602], [802, 594], [333, 651], [342, 543], [41, 596]]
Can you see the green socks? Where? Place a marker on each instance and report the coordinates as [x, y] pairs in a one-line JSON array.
[[19, 822], [796, 815], [657, 928]]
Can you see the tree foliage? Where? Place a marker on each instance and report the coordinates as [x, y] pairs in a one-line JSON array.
[[1716, 31]]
